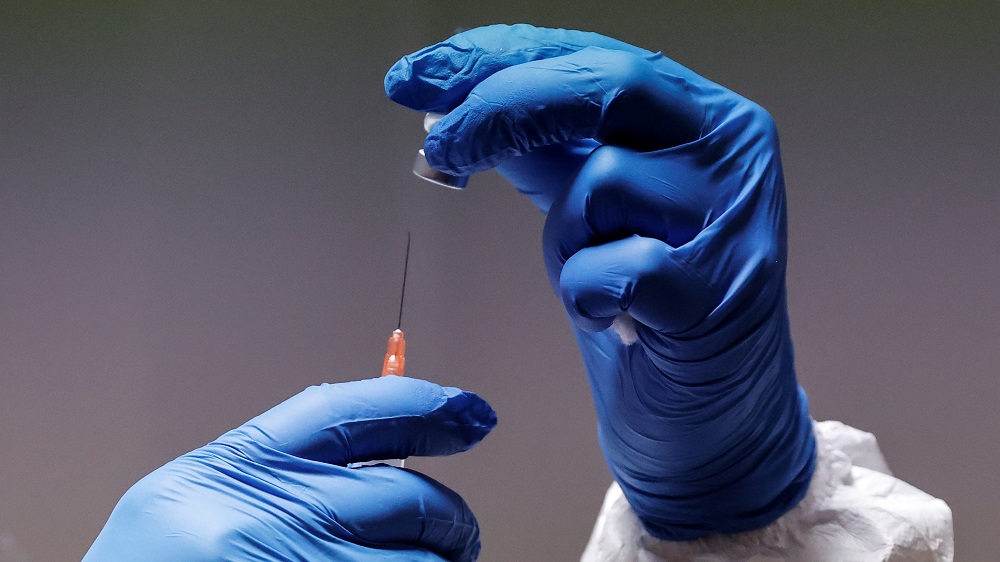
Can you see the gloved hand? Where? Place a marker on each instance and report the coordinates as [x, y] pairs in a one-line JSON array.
[[666, 211], [278, 487]]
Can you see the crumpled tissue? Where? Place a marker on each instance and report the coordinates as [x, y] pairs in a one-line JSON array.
[[855, 511]]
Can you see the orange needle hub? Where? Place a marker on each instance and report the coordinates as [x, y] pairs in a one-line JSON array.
[[395, 355]]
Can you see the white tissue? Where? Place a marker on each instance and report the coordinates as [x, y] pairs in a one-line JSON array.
[[855, 511], [624, 326]]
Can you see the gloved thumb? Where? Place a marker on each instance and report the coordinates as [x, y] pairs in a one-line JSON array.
[[641, 276], [384, 418]]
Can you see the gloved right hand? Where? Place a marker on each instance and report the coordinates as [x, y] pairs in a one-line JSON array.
[[666, 211], [278, 488]]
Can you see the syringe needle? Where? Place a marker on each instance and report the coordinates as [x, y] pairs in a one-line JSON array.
[[394, 362], [395, 352], [402, 295]]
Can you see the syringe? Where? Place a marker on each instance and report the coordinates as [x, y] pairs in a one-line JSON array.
[[394, 363]]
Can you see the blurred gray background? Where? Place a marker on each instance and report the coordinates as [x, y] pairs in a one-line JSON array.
[[203, 208]]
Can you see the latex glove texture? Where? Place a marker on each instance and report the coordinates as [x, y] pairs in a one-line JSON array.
[[665, 201], [278, 487]]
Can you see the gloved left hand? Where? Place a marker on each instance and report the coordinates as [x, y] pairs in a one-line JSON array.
[[278, 487]]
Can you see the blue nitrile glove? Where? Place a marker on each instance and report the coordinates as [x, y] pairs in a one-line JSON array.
[[666, 210], [278, 487]]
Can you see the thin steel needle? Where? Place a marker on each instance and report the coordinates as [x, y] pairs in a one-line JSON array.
[[406, 266]]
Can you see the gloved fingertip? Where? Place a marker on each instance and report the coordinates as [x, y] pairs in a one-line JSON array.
[[397, 76], [440, 155], [433, 150], [451, 149], [411, 84], [592, 296], [472, 412], [463, 544]]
